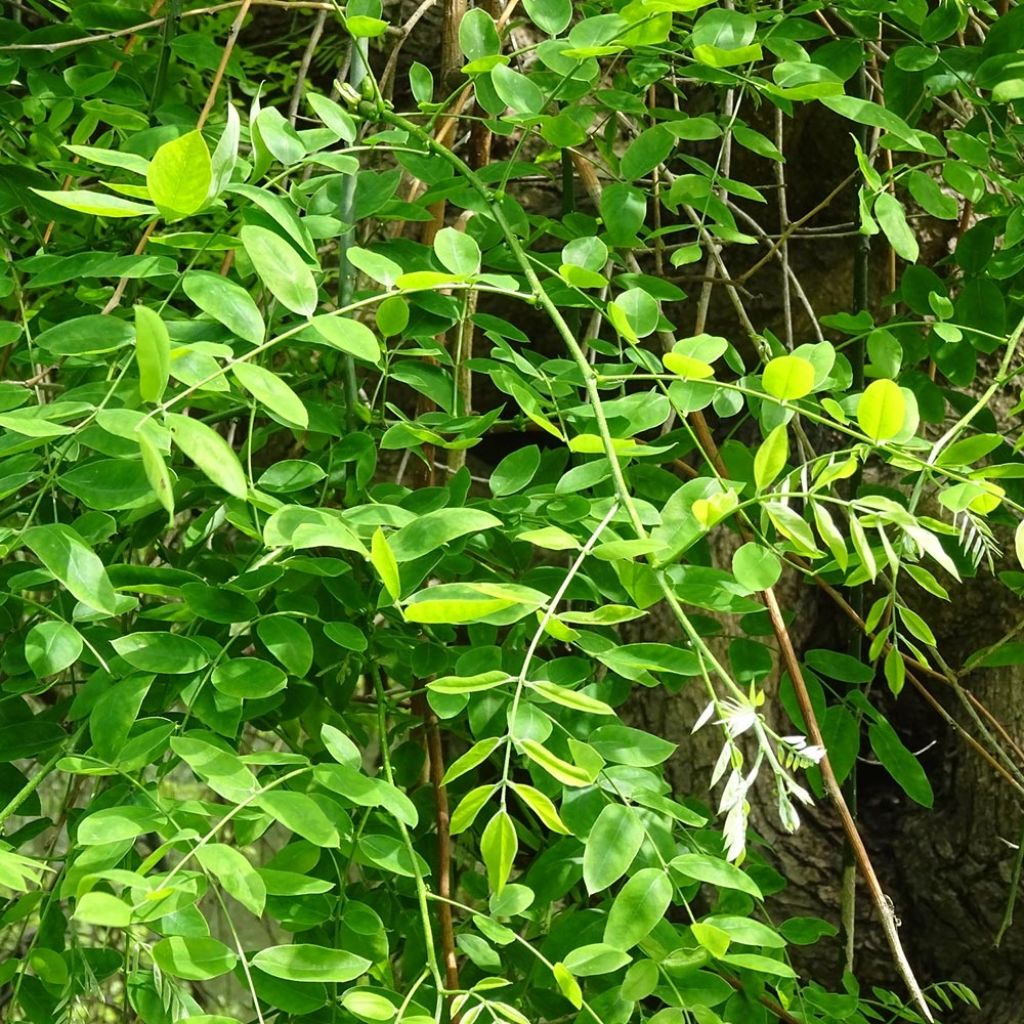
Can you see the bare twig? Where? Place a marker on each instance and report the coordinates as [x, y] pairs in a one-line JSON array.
[[307, 58], [883, 905], [132, 30]]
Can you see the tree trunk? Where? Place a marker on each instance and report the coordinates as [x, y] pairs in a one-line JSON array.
[[947, 870]]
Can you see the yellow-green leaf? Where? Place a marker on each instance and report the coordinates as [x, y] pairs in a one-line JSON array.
[[95, 203], [687, 367], [157, 473], [568, 985], [383, 560], [498, 846], [788, 377], [152, 353], [771, 457], [179, 176], [570, 698], [882, 410], [542, 806], [210, 452], [269, 390], [566, 773]]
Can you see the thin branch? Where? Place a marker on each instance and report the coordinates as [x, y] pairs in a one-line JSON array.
[[307, 58], [218, 75], [103, 37], [435, 754], [883, 905]]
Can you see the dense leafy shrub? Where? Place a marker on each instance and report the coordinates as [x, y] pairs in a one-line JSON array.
[[263, 624]]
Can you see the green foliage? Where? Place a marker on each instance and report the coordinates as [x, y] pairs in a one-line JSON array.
[[262, 623]]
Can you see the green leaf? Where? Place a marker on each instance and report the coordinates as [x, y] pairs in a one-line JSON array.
[[746, 931], [457, 251], [392, 316], [613, 843], [431, 531], [470, 684], [156, 472], [222, 771], [96, 203], [498, 846], [563, 771], [639, 906], [301, 814], [930, 197], [516, 90], [542, 806], [304, 962], [180, 175], [288, 642], [625, 745], [152, 353], [367, 1005], [703, 868], [478, 36], [788, 377], [882, 410], [900, 763], [336, 118], [469, 807], [268, 389], [103, 909], [366, 791], [227, 302], [160, 652], [759, 963], [457, 603], [770, 458], [74, 564], [476, 755], [341, 747], [248, 678], [713, 939], [194, 958], [384, 561], [210, 452], [567, 984], [552, 16], [235, 874], [892, 219], [595, 958], [281, 269], [350, 336], [570, 698], [115, 824], [114, 714], [756, 567], [51, 647], [650, 148]]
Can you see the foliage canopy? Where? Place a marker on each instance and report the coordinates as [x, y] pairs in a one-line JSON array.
[[261, 621]]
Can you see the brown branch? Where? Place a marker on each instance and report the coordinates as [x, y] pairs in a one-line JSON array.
[[126, 50], [987, 757], [388, 74], [243, 9], [435, 755], [795, 225], [766, 1001], [307, 59], [883, 905], [218, 75], [120, 33]]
